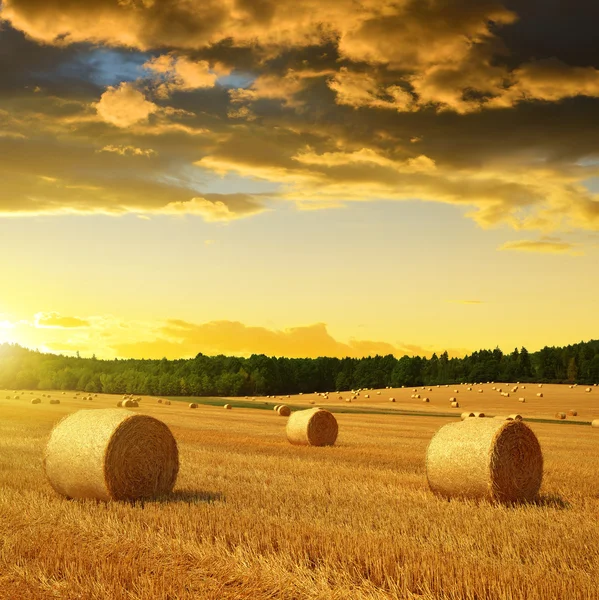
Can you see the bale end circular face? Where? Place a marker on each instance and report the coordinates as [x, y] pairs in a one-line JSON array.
[[284, 410], [227, 406], [193, 405], [560, 415], [312, 427]]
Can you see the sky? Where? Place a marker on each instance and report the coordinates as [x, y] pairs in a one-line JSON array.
[[298, 178]]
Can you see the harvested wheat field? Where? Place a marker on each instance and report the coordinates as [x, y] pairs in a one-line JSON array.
[[253, 516]]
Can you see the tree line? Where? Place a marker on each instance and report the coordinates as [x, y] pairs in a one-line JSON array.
[[21, 368]]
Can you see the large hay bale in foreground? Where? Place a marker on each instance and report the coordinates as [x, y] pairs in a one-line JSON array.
[[284, 410], [485, 458], [312, 427], [111, 454]]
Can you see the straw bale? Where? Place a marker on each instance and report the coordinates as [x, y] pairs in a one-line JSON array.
[[276, 407], [159, 401], [36, 401], [109, 454], [466, 415], [312, 427], [480, 415], [193, 405], [284, 410], [521, 399], [455, 405], [540, 395], [426, 399], [228, 407], [514, 417], [560, 415], [572, 413], [595, 423], [588, 390], [54, 401], [119, 403], [167, 402], [391, 399], [492, 459]]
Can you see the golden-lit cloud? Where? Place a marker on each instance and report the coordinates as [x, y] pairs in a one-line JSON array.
[[128, 150], [55, 320], [215, 209], [124, 105], [542, 247]]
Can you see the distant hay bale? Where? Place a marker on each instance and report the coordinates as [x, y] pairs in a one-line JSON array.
[[466, 415], [119, 403], [453, 399], [167, 402], [417, 396], [426, 399], [480, 391], [540, 385], [284, 410], [128, 403], [521, 399], [514, 417], [540, 395], [109, 454], [313, 402], [36, 401], [490, 459], [595, 423], [347, 400], [560, 415], [312, 427], [227, 407], [54, 401], [366, 395], [391, 399], [588, 389], [276, 407], [455, 405], [480, 415], [159, 401], [378, 393], [572, 413], [193, 405]]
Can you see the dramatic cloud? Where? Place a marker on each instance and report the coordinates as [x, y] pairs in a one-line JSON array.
[[140, 106]]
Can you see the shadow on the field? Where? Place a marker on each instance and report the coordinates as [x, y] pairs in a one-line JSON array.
[[551, 501], [185, 496]]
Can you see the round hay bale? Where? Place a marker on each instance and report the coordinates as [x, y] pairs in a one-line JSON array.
[[276, 407], [109, 454], [466, 415], [455, 405], [521, 399], [227, 407], [119, 403], [540, 395], [36, 401], [426, 400], [480, 415], [54, 401], [588, 390], [595, 423], [560, 415], [514, 417], [490, 459], [572, 413], [312, 427], [193, 405], [284, 411], [167, 402], [127, 403], [313, 402], [159, 400], [391, 399]]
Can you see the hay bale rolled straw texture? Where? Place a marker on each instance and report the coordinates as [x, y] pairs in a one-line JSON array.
[[572, 413], [227, 407], [111, 454], [466, 415], [491, 459], [54, 401], [36, 401], [312, 427], [595, 423], [284, 410], [193, 405], [560, 415]]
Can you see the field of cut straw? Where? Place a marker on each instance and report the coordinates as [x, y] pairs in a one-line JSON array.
[[253, 516]]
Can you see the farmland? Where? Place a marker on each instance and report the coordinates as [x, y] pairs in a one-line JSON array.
[[255, 517]]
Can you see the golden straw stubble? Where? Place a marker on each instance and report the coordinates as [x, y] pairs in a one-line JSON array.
[[312, 427], [491, 459], [111, 454]]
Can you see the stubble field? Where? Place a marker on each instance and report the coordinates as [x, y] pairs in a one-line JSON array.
[[255, 517]]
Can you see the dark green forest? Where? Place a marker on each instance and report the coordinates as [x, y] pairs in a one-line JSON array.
[[221, 375]]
